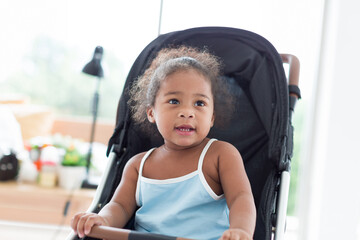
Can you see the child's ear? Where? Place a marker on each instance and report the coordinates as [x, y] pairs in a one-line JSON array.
[[212, 120], [150, 114]]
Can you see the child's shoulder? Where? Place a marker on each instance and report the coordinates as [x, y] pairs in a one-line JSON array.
[[136, 160], [223, 147], [224, 150]]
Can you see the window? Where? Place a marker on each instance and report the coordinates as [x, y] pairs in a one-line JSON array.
[[45, 45]]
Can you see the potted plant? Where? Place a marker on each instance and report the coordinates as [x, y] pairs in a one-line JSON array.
[[72, 169]]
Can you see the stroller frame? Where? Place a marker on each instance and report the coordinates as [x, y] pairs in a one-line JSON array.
[[275, 204]]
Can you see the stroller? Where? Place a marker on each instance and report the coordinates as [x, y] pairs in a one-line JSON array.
[[260, 127]]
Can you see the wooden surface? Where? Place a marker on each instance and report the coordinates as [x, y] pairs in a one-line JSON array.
[[81, 128], [35, 204]]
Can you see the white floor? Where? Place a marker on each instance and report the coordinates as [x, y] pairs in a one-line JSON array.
[[28, 231]]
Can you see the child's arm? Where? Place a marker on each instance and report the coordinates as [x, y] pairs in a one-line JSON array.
[[237, 190], [120, 208]]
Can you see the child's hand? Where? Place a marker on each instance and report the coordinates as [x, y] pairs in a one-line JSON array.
[[235, 234], [82, 223]]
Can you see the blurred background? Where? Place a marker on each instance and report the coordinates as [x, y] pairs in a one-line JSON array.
[[45, 44]]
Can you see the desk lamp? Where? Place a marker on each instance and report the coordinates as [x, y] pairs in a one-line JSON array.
[[93, 68]]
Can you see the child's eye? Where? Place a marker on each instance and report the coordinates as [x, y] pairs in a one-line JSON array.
[[173, 101], [200, 103]]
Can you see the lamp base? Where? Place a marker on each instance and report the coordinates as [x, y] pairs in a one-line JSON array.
[[89, 185]]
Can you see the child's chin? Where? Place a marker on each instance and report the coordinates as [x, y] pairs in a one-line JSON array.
[[187, 142]]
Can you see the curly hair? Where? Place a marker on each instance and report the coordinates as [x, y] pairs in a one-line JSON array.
[[170, 60]]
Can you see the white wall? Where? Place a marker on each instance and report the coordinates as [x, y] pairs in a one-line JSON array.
[[330, 195]]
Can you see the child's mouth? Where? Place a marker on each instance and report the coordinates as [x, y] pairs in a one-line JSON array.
[[185, 130]]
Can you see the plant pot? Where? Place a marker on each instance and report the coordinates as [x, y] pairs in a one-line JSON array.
[[71, 177]]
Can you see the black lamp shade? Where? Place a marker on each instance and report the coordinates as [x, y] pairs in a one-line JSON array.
[[94, 66]]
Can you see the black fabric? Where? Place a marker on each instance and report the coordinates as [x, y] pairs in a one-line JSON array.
[[295, 89], [253, 70]]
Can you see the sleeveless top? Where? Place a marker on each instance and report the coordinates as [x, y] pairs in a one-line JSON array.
[[184, 206]]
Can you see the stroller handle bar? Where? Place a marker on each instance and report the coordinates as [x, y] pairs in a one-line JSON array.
[[112, 233], [294, 70]]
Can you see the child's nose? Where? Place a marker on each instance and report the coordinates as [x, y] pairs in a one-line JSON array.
[[186, 113]]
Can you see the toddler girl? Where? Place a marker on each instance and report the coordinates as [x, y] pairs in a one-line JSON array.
[[191, 186]]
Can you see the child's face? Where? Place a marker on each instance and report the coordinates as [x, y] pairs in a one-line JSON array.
[[183, 109]]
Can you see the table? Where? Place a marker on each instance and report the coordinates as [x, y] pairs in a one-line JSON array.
[[34, 204]]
